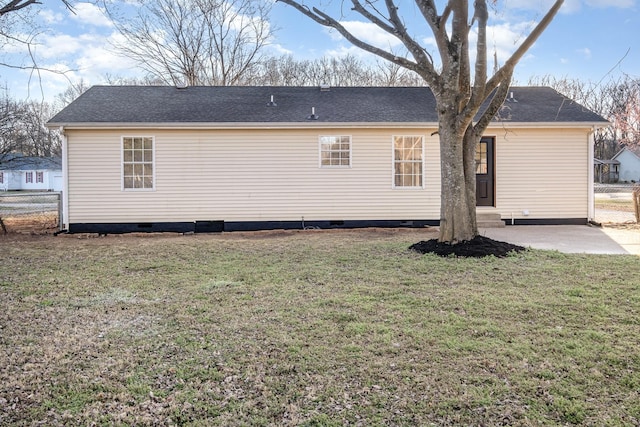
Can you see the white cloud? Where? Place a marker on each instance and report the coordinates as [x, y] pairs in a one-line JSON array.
[[88, 13], [100, 59], [87, 56], [502, 39], [349, 50], [278, 49], [61, 45], [369, 33], [585, 52], [51, 17]]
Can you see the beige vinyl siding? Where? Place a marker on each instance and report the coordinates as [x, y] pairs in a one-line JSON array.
[[274, 175], [543, 171], [247, 175]]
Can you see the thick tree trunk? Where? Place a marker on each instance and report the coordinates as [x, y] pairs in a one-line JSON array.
[[458, 190]]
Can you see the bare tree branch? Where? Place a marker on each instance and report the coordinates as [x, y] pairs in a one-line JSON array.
[[326, 20], [16, 5], [497, 100], [509, 65]]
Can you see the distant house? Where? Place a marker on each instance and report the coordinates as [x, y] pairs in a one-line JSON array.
[[606, 171], [18, 172], [629, 161], [144, 158]]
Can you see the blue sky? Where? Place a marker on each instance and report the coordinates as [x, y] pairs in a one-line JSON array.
[[589, 40]]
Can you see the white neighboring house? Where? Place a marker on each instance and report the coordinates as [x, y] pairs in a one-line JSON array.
[[629, 159], [18, 172]]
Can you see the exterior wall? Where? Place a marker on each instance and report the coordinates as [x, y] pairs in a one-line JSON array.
[[274, 175], [629, 166], [11, 180], [542, 173], [16, 180], [54, 180], [6, 179], [256, 175]]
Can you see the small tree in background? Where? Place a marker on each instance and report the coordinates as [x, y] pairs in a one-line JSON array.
[[196, 42], [617, 100]]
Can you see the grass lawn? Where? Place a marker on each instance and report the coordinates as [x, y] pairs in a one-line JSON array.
[[312, 328]]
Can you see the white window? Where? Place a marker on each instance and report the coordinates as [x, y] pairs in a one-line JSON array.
[[137, 163], [408, 154], [335, 151], [28, 177], [40, 177]]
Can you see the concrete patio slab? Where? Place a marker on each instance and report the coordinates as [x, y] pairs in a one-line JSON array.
[[569, 238]]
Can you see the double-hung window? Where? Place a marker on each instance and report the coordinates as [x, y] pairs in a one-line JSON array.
[[39, 177], [408, 152], [137, 163], [28, 177], [335, 151]]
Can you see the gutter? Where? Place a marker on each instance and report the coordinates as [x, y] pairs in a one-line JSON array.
[[309, 125], [590, 176], [64, 219]]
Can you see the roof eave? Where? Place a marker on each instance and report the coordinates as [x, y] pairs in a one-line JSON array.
[[547, 125], [240, 125], [305, 125]]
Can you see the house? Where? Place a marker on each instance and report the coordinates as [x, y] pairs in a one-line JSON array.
[[18, 172], [629, 160], [145, 158]]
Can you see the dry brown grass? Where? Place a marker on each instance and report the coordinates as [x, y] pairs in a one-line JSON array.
[[42, 223]]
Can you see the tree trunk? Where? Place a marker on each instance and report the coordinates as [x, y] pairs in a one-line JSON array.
[[458, 190], [470, 142]]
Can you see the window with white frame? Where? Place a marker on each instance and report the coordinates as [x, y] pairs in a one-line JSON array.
[[137, 163], [408, 152], [1, 177], [335, 151], [40, 177], [28, 177]]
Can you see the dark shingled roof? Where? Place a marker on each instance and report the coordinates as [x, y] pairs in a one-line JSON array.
[[249, 104]]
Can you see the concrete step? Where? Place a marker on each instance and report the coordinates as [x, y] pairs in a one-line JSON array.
[[489, 220]]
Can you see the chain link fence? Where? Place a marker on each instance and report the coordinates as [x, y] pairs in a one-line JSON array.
[[38, 213], [613, 188]]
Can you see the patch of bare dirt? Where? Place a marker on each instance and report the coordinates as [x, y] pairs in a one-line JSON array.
[[623, 226], [478, 247]]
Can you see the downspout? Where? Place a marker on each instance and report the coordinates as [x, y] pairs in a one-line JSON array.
[[65, 180], [591, 196]]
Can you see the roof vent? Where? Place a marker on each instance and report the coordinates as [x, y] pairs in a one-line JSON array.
[[511, 98], [324, 87], [181, 85], [272, 103], [313, 115]]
